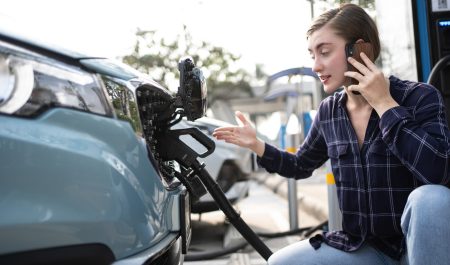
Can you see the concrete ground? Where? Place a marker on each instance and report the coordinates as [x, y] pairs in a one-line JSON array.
[[264, 210]]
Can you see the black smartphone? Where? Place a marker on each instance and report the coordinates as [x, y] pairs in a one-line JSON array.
[[354, 50]]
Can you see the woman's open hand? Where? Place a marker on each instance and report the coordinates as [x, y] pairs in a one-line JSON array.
[[244, 136]]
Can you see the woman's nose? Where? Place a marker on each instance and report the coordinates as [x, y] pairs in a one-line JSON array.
[[317, 66]]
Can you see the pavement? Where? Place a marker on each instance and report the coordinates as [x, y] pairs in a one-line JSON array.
[[264, 210], [312, 193]]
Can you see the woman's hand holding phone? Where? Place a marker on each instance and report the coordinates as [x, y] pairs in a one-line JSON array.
[[372, 84], [354, 50]]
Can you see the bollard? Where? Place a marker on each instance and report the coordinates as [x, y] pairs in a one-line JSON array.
[[334, 212], [292, 195]]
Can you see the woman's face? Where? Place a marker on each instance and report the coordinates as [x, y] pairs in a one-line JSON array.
[[327, 49]]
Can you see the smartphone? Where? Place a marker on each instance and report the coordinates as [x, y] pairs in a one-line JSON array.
[[354, 50]]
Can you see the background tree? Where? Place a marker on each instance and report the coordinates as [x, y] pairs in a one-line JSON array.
[[327, 4], [158, 57], [369, 4]]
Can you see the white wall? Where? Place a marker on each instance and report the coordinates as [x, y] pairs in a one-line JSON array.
[[395, 24]]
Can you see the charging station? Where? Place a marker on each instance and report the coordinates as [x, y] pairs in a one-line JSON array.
[[431, 20]]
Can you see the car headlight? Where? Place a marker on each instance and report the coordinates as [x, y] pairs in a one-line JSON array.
[[31, 83]]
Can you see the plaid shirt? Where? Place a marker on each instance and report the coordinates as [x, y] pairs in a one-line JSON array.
[[408, 147]]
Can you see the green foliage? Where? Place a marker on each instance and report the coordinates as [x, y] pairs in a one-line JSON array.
[[158, 57], [123, 103], [369, 4]]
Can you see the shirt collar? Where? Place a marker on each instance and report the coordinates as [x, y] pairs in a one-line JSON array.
[[342, 98]]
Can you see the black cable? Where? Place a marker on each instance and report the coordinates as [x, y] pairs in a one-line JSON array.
[[315, 228], [309, 230], [226, 207], [285, 233], [217, 253], [437, 69]]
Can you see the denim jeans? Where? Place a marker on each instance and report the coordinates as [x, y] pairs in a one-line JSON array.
[[425, 223]]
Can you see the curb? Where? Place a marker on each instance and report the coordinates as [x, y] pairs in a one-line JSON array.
[[308, 204]]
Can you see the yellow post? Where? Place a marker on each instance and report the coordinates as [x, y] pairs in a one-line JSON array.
[[334, 212]]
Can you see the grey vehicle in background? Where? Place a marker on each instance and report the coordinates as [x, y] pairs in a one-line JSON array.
[[229, 165]]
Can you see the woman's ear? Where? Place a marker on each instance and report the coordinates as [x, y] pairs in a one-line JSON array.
[[360, 41]]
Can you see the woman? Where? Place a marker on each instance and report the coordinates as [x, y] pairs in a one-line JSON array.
[[384, 143]]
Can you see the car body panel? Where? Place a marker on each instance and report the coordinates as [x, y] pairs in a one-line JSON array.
[[110, 68], [74, 178], [172, 241], [71, 177]]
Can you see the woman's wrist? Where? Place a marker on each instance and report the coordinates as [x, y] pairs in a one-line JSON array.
[[258, 147], [385, 106]]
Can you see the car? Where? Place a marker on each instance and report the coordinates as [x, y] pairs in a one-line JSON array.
[[79, 183], [229, 165]]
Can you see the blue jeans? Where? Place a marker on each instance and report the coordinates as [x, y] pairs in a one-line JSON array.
[[425, 224]]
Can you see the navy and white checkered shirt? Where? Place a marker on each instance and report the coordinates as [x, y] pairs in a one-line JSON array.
[[408, 147]]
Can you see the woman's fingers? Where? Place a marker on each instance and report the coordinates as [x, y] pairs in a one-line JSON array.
[[224, 129], [241, 117], [230, 135], [359, 66], [354, 75], [369, 64], [223, 132], [243, 135]]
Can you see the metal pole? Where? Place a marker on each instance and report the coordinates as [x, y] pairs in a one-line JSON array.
[[291, 103], [334, 213], [312, 7], [293, 204], [292, 190]]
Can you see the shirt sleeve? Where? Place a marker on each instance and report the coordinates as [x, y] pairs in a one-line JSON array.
[[309, 156], [419, 135]]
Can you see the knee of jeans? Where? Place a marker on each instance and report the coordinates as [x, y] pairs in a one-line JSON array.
[[279, 258], [425, 202], [430, 197], [273, 260]]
